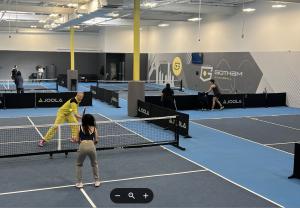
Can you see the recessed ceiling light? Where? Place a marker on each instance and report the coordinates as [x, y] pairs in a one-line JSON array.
[[149, 4], [33, 26], [76, 27], [96, 20], [279, 6], [72, 5], [79, 15], [195, 19], [249, 10], [112, 14], [53, 15], [163, 25], [42, 21]]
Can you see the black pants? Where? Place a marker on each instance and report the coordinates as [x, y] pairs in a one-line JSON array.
[[168, 104], [20, 90]]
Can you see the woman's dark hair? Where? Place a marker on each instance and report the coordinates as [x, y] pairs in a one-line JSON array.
[[87, 121], [19, 73], [168, 86], [212, 81]]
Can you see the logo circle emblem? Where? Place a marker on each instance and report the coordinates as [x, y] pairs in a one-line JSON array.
[[177, 66]]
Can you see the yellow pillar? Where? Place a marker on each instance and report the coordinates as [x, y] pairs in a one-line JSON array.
[[72, 56], [136, 40]]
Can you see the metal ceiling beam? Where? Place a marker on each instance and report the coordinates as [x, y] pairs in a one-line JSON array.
[[36, 9]]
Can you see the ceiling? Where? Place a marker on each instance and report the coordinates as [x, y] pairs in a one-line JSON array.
[[92, 15]]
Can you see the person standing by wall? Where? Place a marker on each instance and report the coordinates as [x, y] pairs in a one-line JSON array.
[[19, 82]]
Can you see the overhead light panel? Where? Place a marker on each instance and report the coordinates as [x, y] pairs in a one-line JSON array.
[[249, 10], [42, 21], [33, 26], [149, 4], [72, 5], [163, 25], [53, 15], [278, 6], [96, 21], [194, 19], [112, 14]]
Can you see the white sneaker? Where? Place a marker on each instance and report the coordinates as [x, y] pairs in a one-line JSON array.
[[97, 183], [222, 108], [79, 185]]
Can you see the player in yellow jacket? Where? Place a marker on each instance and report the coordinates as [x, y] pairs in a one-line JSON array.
[[68, 112]]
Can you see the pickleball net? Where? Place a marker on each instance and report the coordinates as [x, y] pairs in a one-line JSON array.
[[16, 141], [150, 85], [30, 85]]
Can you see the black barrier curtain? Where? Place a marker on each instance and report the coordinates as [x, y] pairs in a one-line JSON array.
[[104, 95], [149, 110], [32, 100], [202, 101]]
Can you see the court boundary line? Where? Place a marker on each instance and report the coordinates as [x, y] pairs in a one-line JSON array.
[[283, 143], [275, 124], [88, 198], [239, 137], [258, 116], [103, 182], [38, 131], [213, 172]]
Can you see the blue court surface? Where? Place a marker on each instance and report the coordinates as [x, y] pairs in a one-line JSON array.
[[235, 158]]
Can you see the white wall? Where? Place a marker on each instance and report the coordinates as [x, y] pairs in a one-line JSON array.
[[266, 29], [49, 42], [120, 40]]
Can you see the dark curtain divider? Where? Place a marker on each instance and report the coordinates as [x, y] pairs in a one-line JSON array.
[[149, 110], [104, 95], [31, 100], [202, 101]]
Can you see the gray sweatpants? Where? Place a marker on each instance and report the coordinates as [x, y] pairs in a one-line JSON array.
[[87, 148]]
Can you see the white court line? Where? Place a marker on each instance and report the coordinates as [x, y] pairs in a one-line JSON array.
[[273, 144], [213, 172], [38, 131], [108, 181], [275, 124], [88, 198], [239, 137], [229, 117]]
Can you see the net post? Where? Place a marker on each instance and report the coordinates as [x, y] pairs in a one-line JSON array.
[[56, 85], [176, 130], [59, 138], [97, 83], [181, 88]]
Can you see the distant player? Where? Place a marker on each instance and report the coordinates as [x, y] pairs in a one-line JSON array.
[[167, 97], [216, 94], [66, 113]]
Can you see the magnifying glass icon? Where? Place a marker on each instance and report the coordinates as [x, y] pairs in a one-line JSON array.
[[130, 195]]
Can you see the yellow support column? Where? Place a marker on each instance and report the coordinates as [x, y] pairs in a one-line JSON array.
[[136, 88], [72, 56], [136, 37]]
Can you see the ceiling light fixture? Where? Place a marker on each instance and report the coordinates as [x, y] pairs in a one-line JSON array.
[[163, 25], [249, 10], [72, 5], [194, 19], [42, 21], [96, 20], [33, 26], [76, 27], [277, 6], [149, 4], [53, 15]]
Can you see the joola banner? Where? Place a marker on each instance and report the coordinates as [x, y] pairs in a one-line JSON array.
[[58, 99]]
